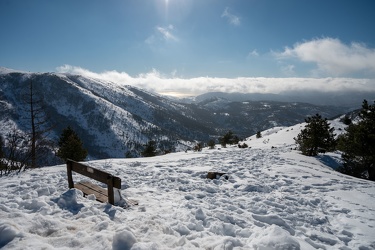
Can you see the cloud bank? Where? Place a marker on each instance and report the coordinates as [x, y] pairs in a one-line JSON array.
[[332, 56], [169, 85]]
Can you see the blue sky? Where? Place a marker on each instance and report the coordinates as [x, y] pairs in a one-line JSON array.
[[189, 39]]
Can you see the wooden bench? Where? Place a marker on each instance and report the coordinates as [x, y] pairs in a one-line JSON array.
[[88, 188]]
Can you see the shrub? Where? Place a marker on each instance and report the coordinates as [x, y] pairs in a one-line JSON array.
[[198, 147]]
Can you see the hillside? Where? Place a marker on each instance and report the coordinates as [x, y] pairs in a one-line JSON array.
[[274, 198], [113, 120]]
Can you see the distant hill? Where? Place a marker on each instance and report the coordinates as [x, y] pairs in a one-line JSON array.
[[340, 99]]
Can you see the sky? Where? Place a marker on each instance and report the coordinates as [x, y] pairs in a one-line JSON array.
[[182, 40]]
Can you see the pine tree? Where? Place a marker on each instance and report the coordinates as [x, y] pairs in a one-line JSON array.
[[228, 138], [150, 149], [316, 137], [259, 135], [358, 145], [70, 146], [211, 144]]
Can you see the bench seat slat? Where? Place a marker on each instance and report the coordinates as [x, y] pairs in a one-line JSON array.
[[89, 188]]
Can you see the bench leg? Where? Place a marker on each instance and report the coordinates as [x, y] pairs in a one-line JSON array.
[[111, 198], [70, 177]]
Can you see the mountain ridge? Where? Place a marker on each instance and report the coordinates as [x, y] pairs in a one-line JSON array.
[[343, 99], [114, 119]]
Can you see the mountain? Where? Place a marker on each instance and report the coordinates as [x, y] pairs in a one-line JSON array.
[[111, 119], [272, 198], [114, 119], [247, 117], [339, 99]]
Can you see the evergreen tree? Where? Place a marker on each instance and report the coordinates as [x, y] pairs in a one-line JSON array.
[[228, 138], [358, 145], [211, 144], [316, 137], [150, 149], [70, 146], [346, 120]]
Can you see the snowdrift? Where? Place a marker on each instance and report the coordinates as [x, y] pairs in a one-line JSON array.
[[274, 198]]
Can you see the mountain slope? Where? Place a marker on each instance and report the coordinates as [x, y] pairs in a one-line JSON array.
[[274, 198]]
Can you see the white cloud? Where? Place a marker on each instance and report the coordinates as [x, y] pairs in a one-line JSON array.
[[254, 53], [166, 32], [162, 33], [332, 56], [157, 82], [113, 75], [232, 19], [288, 70]]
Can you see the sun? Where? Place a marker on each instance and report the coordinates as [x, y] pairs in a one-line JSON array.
[[166, 8]]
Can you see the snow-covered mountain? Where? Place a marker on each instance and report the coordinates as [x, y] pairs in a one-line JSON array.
[[273, 198], [113, 119]]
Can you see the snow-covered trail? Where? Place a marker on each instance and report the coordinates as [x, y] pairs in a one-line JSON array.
[[273, 199]]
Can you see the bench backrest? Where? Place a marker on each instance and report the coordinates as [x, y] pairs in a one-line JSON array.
[[93, 173]]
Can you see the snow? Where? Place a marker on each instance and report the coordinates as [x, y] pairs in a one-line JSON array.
[[274, 198], [4, 71]]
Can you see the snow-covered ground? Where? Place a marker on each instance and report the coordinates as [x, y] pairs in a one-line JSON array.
[[275, 198]]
